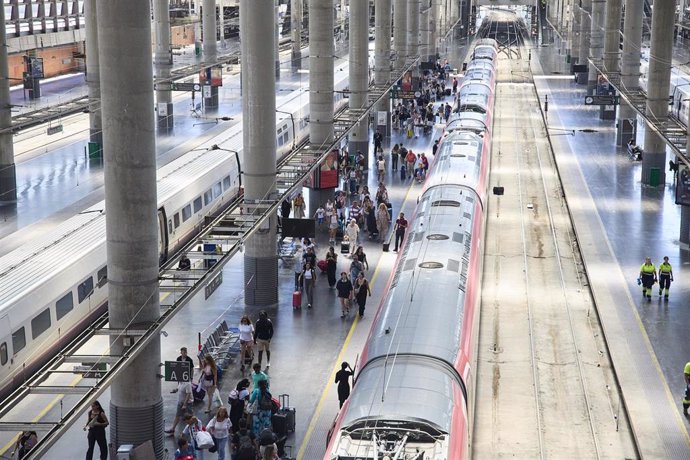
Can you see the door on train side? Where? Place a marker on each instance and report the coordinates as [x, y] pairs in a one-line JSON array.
[[5, 341], [162, 236]]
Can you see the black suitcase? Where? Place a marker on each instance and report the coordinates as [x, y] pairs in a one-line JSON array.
[[389, 206], [448, 91], [345, 247], [287, 410], [279, 423]]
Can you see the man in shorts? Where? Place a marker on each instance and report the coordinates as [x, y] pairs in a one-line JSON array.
[[184, 404], [263, 333]]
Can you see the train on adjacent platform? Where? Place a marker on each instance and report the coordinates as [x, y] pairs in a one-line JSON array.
[[413, 398], [56, 285]]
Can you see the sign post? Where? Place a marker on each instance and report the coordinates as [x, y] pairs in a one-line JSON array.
[[177, 371]]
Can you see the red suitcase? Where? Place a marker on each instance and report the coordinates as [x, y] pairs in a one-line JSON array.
[[297, 299], [323, 265]]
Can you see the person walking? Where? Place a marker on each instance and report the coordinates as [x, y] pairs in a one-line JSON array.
[[410, 159], [362, 289], [647, 278], [246, 339], [96, 423], [362, 257], [192, 427], [665, 277], [352, 233], [344, 288], [25, 442], [219, 427], [342, 379], [263, 333], [383, 220], [309, 281], [237, 400], [262, 398], [395, 156], [400, 227], [355, 268], [298, 206], [331, 266], [285, 208], [184, 401], [209, 379], [381, 168], [686, 399], [378, 141]]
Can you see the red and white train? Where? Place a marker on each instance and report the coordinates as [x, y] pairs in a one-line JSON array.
[[414, 394]]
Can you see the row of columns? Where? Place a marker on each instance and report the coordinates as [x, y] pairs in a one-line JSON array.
[[595, 26]]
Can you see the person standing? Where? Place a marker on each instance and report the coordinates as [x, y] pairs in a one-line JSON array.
[[342, 379], [648, 278], [331, 266], [298, 205], [237, 399], [434, 149], [219, 427], [263, 333], [395, 155], [246, 339], [383, 220], [26, 441], [378, 141], [184, 401], [665, 277], [362, 289], [344, 288], [410, 159], [285, 208], [262, 397], [400, 227], [686, 399], [309, 281], [209, 379], [96, 423], [352, 232], [381, 168]]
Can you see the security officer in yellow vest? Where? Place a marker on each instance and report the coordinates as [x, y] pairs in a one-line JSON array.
[[647, 278], [665, 277], [686, 399]]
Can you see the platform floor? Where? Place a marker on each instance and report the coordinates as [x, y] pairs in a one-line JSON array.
[[619, 222]]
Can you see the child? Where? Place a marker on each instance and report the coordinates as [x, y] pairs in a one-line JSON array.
[[320, 215], [183, 452]]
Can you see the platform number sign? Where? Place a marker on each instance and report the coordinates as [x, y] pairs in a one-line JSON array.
[[178, 371]]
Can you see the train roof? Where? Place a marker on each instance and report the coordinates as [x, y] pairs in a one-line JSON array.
[[471, 121], [459, 160]]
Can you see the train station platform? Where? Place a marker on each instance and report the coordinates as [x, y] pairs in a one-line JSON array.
[[619, 222]]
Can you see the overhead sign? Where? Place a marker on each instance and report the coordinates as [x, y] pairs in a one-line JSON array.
[[602, 100], [177, 86], [213, 285], [177, 371]]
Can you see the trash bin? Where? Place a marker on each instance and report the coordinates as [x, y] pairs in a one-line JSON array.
[[654, 177]]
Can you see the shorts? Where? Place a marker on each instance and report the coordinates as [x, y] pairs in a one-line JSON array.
[[263, 344], [181, 412]]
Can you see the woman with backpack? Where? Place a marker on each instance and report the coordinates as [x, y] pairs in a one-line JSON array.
[[236, 400], [262, 399]]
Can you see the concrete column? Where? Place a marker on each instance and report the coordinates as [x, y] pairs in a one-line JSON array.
[[612, 35], [413, 27], [276, 35], [321, 53], [93, 78], [210, 48], [296, 14], [162, 61], [197, 28], [400, 32], [433, 29], [8, 175], [574, 36], [454, 14], [136, 407], [382, 53], [596, 49], [359, 72], [585, 37], [257, 21], [659, 81], [630, 67]]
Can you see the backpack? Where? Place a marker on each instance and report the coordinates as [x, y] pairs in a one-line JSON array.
[[265, 401], [246, 449]]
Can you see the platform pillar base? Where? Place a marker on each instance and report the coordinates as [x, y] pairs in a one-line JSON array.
[[8, 184]]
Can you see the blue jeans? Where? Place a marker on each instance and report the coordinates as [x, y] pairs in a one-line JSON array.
[[222, 442]]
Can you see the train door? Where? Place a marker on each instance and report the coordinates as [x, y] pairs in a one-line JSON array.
[[162, 236], [5, 340]]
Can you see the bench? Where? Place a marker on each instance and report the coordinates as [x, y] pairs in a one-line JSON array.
[[223, 344]]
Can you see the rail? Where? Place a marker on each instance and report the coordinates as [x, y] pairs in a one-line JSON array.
[[227, 232]]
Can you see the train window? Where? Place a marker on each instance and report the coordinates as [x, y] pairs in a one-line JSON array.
[[40, 323], [280, 141], [285, 138], [452, 203], [226, 182], [176, 218], [186, 213], [197, 204], [64, 305], [208, 197], [102, 277], [170, 226], [18, 340], [3, 353], [85, 289], [217, 190]]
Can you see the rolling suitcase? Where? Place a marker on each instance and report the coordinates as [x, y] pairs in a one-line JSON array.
[[297, 299], [447, 92], [198, 392], [290, 412], [323, 265], [403, 172], [279, 424], [345, 247]]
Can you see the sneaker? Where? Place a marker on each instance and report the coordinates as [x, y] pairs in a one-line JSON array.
[[268, 365], [308, 305]]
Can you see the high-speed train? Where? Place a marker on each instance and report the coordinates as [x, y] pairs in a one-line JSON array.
[[413, 398], [53, 286]]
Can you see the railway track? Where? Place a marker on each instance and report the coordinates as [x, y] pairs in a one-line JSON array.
[[541, 344]]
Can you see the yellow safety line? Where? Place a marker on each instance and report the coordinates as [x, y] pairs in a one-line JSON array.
[[339, 360]]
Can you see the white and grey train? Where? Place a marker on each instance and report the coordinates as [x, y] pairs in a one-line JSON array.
[[52, 287], [413, 398]]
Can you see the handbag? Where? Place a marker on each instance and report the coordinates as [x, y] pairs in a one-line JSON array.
[[214, 448], [203, 439], [252, 407]]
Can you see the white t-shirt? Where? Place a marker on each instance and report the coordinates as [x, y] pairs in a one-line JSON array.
[[320, 213], [219, 429], [381, 164], [184, 389], [246, 332], [309, 274]]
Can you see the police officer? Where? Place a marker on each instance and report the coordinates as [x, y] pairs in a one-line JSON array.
[[647, 277], [665, 277]]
